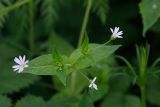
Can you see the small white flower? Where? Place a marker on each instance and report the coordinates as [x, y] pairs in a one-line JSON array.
[[92, 84], [116, 33], [21, 64]]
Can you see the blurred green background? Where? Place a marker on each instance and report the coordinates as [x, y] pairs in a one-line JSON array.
[[36, 28]]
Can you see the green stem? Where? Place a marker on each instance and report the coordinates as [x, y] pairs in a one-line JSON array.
[[142, 88], [106, 43], [85, 21], [73, 81], [84, 76], [31, 23], [143, 96], [143, 53], [103, 44], [84, 25]]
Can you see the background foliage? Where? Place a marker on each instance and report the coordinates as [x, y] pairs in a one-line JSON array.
[[37, 27]]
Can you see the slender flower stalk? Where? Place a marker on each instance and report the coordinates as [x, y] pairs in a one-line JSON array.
[[21, 64], [93, 84]]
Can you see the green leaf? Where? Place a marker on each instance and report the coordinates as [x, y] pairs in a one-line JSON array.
[[81, 82], [120, 100], [6, 2], [49, 13], [5, 102], [97, 53], [101, 8], [131, 101], [20, 16], [12, 7], [60, 44], [153, 93], [128, 64], [31, 101], [150, 11], [45, 65], [97, 95], [86, 101], [11, 81], [42, 65], [2, 20], [62, 100], [131, 72], [2, 17], [113, 100], [119, 83], [3, 4], [62, 75], [11, 51]]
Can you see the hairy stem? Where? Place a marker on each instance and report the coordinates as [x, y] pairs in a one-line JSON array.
[[143, 96], [31, 25], [85, 21], [73, 81], [143, 53]]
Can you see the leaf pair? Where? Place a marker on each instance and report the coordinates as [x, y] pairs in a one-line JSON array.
[[80, 58]]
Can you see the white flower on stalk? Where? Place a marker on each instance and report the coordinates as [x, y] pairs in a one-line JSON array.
[[92, 84], [116, 33], [21, 64]]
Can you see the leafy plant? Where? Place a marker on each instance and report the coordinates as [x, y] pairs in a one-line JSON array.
[[63, 70]]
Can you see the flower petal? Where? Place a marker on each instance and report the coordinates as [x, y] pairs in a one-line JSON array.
[[94, 79], [20, 69], [119, 37], [15, 69], [111, 30], [95, 86], [21, 59], [17, 60], [90, 85], [15, 66], [119, 33], [24, 58], [116, 30], [26, 61]]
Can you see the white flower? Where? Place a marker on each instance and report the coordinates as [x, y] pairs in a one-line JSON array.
[[116, 33], [92, 84], [21, 64]]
